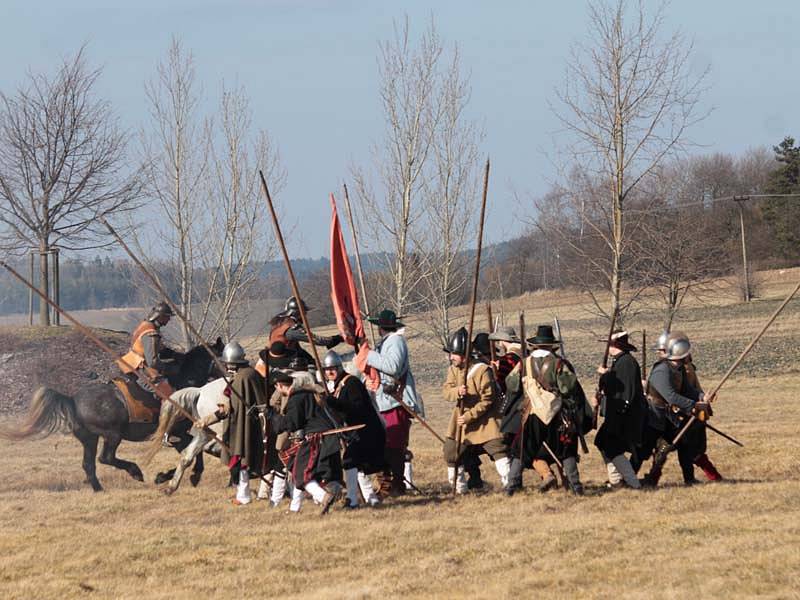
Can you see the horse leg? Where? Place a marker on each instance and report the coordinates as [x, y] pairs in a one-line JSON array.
[[108, 456], [89, 442], [187, 456], [197, 470]]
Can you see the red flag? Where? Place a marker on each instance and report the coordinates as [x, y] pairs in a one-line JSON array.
[[345, 298], [343, 287]]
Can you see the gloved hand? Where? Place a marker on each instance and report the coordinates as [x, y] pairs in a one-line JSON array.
[[702, 410], [335, 340]]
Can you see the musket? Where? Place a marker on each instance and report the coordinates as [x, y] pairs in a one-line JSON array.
[[723, 434], [560, 338], [738, 361], [598, 395], [460, 402], [290, 271], [87, 333]]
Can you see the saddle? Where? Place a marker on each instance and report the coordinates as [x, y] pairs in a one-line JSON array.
[[143, 407]]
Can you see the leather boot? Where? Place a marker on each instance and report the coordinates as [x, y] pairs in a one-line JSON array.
[[397, 460]]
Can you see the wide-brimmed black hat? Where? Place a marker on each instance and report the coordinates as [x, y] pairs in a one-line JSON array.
[[619, 339], [544, 337], [386, 319], [277, 376]]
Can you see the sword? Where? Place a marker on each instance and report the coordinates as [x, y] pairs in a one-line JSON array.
[[725, 435]]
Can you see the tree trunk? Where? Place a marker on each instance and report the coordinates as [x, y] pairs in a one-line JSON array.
[[44, 284]]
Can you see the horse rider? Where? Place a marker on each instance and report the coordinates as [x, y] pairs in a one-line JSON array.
[[287, 327], [149, 354]]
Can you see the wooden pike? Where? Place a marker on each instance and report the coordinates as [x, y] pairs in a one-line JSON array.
[[364, 298], [292, 279], [713, 394], [460, 404]]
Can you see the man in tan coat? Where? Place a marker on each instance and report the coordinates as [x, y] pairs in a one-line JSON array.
[[478, 419]]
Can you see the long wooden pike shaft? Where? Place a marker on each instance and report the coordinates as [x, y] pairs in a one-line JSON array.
[[156, 284], [739, 360], [292, 280], [422, 421], [364, 298], [460, 404]]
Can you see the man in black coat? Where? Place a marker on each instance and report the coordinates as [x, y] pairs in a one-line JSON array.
[[624, 411], [364, 454], [313, 459]]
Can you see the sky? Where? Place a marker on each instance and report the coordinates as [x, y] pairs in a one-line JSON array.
[[310, 70]]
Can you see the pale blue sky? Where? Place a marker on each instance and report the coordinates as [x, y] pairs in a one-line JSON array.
[[309, 67]]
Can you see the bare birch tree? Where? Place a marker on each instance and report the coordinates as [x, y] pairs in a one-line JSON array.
[[449, 196], [235, 232], [175, 153], [62, 166], [202, 178], [628, 99], [409, 76]]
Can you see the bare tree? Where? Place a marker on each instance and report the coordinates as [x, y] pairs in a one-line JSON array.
[[62, 166], [202, 176], [235, 238], [409, 76], [626, 104], [175, 153], [449, 196]]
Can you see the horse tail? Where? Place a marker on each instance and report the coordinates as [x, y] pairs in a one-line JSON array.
[[166, 419], [50, 411]]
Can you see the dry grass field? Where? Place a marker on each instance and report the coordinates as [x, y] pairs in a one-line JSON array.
[[735, 539]]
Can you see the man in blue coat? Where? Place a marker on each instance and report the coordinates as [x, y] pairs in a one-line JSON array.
[[391, 359]]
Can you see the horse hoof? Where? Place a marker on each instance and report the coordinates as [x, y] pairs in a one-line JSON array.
[[194, 478], [96, 487], [137, 475], [168, 491]]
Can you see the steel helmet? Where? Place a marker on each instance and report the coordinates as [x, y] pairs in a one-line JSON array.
[[457, 343], [678, 346], [292, 308], [661, 342], [160, 309], [332, 360], [233, 354]]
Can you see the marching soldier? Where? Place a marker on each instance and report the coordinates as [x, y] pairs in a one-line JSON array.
[[364, 453], [480, 431], [559, 412], [391, 358], [149, 353], [313, 459], [672, 399], [243, 435], [625, 411]]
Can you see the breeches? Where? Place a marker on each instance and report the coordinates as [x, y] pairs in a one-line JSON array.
[[496, 449]]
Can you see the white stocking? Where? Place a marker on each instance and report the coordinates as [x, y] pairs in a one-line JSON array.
[[243, 489], [408, 473], [278, 488], [365, 483], [503, 466], [316, 490], [461, 483], [297, 499]]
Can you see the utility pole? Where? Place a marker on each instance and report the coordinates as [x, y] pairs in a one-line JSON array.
[[740, 200]]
